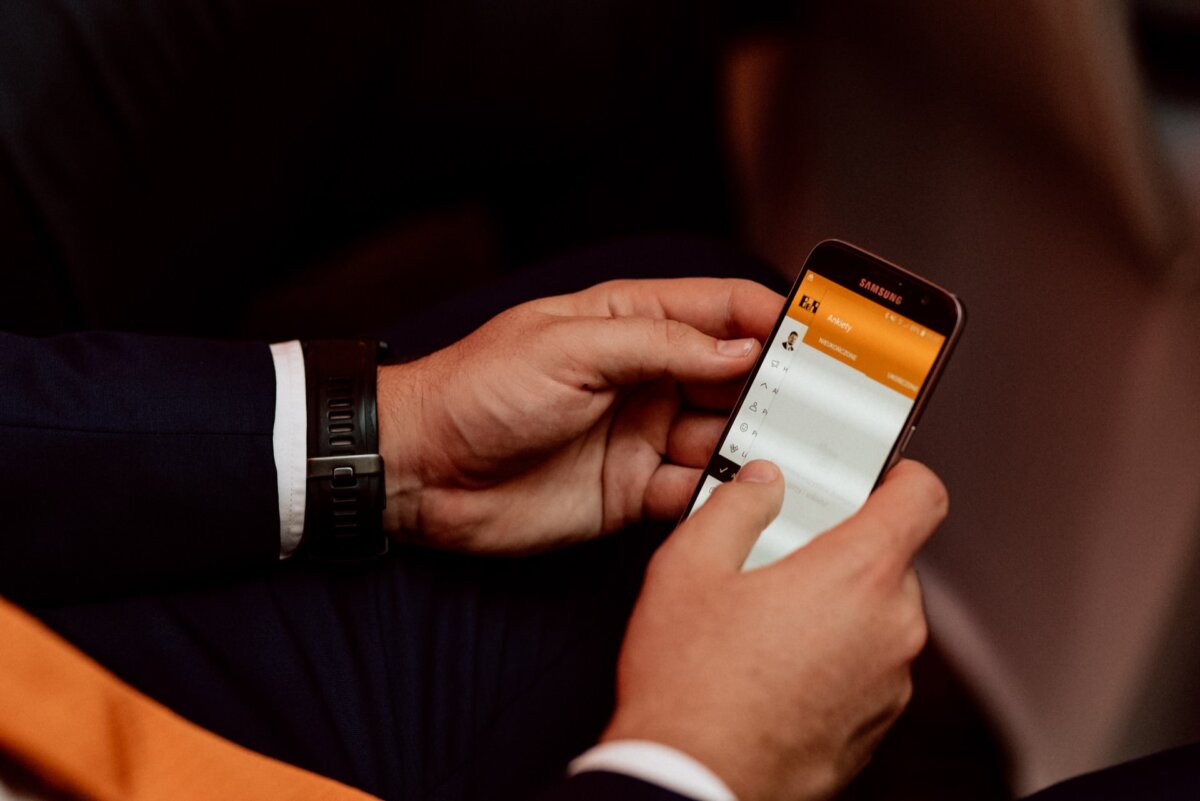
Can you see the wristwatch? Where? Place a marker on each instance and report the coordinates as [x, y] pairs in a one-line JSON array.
[[343, 518]]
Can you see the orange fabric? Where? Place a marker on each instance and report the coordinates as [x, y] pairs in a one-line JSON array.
[[80, 728]]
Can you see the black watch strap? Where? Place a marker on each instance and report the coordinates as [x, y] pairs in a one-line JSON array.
[[343, 519]]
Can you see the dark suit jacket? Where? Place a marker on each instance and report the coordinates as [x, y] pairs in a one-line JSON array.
[[131, 461]]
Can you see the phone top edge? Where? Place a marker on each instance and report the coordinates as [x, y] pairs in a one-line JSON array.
[[850, 247], [951, 328], [846, 263]]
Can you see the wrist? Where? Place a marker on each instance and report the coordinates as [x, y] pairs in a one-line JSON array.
[[399, 408], [738, 766]]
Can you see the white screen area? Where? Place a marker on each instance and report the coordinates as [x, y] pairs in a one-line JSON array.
[[827, 426]]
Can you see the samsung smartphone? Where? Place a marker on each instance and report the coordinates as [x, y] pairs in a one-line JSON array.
[[838, 390]]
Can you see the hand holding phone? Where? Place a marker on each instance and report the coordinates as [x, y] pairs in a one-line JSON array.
[[781, 681], [837, 391]]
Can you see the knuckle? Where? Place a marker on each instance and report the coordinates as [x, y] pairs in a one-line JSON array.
[[731, 287], [879, 575], [866, 561], [543, 326], [824, 778], [672, 332], [617, 294], [613, 286], [904, 693], [938, 496], [609, 287], [916, 636], [517, 316]]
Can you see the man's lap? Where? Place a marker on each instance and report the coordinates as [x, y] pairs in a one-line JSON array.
[[424, 675]]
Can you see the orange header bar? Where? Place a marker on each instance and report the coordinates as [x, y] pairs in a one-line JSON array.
[[883, 345]]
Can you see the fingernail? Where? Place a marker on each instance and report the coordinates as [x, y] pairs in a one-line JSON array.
[[758, 472], [734, 347]]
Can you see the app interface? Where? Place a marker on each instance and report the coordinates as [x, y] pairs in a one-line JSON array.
[[827, 404]]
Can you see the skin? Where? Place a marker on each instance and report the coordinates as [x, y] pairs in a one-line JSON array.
[[570, 417]]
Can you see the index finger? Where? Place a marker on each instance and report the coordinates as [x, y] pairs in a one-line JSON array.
[[728, 308], [898, 518]]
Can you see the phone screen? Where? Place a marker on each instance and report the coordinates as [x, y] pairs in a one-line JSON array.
[[834, 391]]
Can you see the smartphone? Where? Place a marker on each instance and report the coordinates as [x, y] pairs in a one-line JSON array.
[[838, 390]]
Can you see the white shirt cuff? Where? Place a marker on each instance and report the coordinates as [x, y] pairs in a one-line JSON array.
[[290, 439], [657, 764]]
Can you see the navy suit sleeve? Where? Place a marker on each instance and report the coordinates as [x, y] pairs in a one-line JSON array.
[[131, 462], [600, 785]]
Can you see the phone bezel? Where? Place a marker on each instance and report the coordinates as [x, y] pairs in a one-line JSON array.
[[846, 265]]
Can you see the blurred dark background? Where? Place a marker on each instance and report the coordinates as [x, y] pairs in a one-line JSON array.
[[281, 170]]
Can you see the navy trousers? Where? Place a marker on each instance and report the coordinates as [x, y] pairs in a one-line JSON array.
[[424, 676]]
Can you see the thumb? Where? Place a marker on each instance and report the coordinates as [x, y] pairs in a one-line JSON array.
[[721, 533]]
